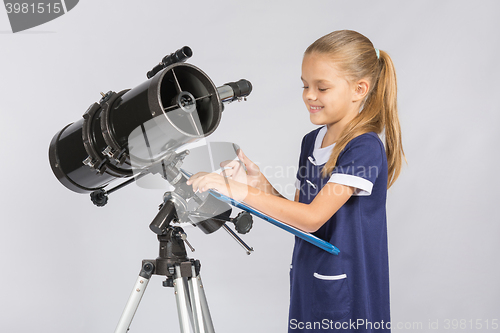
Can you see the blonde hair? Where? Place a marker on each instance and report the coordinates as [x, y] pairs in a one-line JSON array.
[[355, 56]]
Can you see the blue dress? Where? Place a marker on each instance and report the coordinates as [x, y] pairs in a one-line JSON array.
[[348, 292]]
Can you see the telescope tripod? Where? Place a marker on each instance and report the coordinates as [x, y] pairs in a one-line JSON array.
[[183, 274]]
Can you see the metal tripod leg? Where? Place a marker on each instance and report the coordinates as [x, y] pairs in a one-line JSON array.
[[183, 303], [135, 298], [183, 274], [192, 304], [202, 311]]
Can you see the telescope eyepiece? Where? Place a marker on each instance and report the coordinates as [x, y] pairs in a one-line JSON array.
[[180, 55], [234, 91], [241, 88]]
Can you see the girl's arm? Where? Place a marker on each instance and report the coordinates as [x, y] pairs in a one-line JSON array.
[[307, 217]]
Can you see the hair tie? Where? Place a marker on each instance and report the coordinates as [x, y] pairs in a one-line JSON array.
[[377, 51]]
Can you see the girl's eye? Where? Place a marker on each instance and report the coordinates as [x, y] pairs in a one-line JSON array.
[[324, 89], [304, 87]]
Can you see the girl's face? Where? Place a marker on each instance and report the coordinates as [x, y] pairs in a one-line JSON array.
[[328, 96]]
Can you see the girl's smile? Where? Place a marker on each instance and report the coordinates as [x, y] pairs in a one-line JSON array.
[[314, 109]]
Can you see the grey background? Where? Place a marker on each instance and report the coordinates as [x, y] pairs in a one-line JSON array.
[[68, 266]]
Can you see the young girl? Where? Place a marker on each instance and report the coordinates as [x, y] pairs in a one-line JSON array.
[[342, 181]]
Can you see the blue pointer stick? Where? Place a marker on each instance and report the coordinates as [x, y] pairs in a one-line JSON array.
[[299, 233]]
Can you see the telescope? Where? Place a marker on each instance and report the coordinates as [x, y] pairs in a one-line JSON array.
[[175, 106], [136, 132]]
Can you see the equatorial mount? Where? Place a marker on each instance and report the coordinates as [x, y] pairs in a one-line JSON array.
[[172, 253]]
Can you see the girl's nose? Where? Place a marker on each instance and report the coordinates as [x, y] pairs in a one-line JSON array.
[[310, 95]]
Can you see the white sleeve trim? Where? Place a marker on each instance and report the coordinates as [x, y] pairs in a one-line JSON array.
[[362, 186], [297, 184]]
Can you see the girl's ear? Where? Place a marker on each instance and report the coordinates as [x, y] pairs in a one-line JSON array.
[[361, 89]]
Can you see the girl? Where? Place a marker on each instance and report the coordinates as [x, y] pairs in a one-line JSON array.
[[342, 181]]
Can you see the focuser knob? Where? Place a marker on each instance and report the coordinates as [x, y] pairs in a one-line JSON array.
[[243, 222]]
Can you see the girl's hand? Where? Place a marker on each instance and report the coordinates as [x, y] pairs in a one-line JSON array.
[[244, 171], [203, 181], [247, 172]]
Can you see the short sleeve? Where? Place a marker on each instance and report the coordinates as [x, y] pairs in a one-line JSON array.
[[360, 164]]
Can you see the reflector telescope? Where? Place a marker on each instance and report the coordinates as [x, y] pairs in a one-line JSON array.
[[178, 104]]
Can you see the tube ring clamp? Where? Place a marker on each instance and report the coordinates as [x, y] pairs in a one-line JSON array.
[[99, 162]]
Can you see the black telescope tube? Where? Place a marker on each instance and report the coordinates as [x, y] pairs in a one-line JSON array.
[[92, 152]]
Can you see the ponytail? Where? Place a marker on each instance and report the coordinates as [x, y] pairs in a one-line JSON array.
[[386, 95]]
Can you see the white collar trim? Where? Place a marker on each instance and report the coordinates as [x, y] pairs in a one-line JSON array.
[[321, 155]]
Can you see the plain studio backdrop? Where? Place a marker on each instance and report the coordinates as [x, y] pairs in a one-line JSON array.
[[67, 266]]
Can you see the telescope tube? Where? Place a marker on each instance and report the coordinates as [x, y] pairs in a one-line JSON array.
[[179, 105]]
